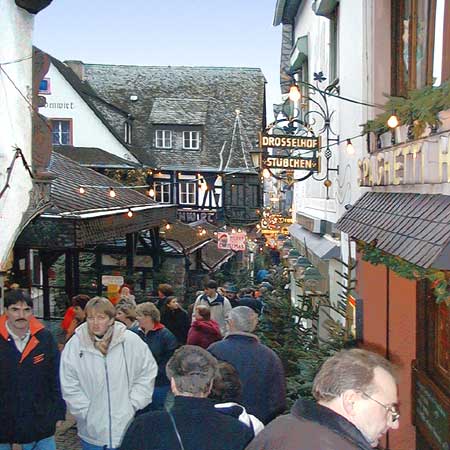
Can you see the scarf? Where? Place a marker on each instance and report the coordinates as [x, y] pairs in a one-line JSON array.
[[102, 343]]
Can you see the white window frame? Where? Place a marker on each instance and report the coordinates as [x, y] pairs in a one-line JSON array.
[[163, 138], [128, 132], [188, 193], [193, 140], [60, 132], [162, 190]]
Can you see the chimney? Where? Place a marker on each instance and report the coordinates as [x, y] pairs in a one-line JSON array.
[[77, 67]]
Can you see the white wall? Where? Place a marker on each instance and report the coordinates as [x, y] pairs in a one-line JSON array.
[[355, 64], [88, 131], [16, 27]]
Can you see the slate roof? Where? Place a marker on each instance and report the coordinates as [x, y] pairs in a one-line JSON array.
[[225, 89], [66, 198], [94, 157], [179, 111], [183, 238], [213, 257], [415, 227]]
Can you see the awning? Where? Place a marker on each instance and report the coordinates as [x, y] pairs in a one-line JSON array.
[[415, 227], [322, 247], [324, 7]]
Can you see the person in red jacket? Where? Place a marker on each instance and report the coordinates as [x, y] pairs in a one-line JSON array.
[[203, 331]]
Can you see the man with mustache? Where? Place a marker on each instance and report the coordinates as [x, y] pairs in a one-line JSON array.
[[31, 405]]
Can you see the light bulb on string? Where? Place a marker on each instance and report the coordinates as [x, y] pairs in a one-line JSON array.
[[350, 149], [294, 93], [393, 121], [151, 192], [130, 213], [112, 192], [82, 190], [167, 226]]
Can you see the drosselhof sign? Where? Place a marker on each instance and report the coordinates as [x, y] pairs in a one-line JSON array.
[[293, 163], [287, 141]]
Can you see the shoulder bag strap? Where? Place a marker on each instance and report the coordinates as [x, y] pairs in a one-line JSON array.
[[172, 419]]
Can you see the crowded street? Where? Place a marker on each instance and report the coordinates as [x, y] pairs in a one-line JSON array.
[[225, 225]]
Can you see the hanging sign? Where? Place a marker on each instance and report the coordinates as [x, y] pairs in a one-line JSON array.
[[231, 241], [289, 141], [293, 163]]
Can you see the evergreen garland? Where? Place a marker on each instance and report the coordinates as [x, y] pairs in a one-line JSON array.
[[439, 283]]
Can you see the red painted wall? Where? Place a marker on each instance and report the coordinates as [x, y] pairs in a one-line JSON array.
[[389, 327]]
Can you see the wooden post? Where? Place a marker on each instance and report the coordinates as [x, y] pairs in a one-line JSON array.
[[46, 264], [131, 248], [68, 264], [98, 271], [76, 271]]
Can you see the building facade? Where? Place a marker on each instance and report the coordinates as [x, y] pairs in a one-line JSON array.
[[390, 196]]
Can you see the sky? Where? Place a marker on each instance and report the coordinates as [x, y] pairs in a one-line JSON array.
[[236, 33]]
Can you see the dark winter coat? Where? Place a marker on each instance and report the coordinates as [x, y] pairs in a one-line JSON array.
[[162, 343], [251, 302], [200, 425], [177, 321], [310, 426], [30, 393], [203, 333], [261, 373]]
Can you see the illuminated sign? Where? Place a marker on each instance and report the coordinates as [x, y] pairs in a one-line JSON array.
[[293, 163], [288, 141]]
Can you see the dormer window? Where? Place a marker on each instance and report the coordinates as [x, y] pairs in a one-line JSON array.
[[191, 140], [163, 138], [128, 131]]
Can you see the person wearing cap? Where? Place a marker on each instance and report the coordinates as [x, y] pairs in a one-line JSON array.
[[246, 298], [31, 405], [193, 423], [231, 292]]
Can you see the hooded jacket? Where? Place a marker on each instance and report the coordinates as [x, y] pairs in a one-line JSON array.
[[310, 426], [220, 309], [30, 394], [238, 411], [104, 392], [203, 333]]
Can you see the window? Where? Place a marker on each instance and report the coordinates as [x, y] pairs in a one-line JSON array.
[[334, 46], [162, 192], [128, 131], [237, 195], [44, 86], [188, 193], [441, 51], [191, 140], [413, 23], [61, 131], [163, 139]]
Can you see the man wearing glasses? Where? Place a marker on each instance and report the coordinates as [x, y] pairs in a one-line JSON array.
[[356, 404]]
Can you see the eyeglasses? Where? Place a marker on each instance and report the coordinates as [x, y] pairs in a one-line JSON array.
[[393, 409]]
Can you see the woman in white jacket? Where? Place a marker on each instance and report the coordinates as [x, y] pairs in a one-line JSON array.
[[107, 374]]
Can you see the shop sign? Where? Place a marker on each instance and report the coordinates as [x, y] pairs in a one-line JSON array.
[[420, 162], [289, 141], [293, 163], [112, 279], [231, 241]]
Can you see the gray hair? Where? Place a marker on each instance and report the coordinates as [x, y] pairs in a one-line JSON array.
[[244, 319], [193, 370], [349, 369]]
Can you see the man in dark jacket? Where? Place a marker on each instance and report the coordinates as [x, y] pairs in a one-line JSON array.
[[175, 319], [356, 396], [193, 423], [260, 369], [31, 405]]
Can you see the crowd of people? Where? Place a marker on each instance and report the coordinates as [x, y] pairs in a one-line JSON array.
[[155, 376]]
